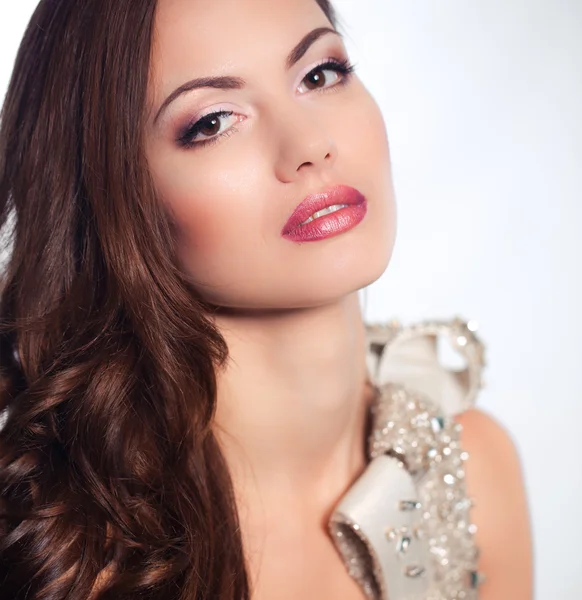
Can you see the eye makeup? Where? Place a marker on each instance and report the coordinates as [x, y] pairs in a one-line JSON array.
[[187, 135], [187, 138]]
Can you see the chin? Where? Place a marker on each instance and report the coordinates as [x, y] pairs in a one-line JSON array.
[[328, 281], [300, 289], [315, 273]]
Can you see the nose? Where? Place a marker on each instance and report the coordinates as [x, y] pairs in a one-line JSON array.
[[306, 145]]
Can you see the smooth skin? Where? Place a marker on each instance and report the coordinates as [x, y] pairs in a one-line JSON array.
[[292, 399]]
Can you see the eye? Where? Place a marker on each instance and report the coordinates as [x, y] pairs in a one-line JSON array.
[[208, 129], [212, 127], [317, 79]]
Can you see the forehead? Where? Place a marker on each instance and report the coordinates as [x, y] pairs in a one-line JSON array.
[[216, 37]]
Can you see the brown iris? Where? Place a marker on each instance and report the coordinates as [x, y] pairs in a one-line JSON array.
[[211, 128], [315, 79]]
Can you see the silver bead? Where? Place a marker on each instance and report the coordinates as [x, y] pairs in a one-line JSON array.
[[410, 505], [414, 571]]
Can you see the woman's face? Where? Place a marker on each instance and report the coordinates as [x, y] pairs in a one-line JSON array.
[[231, 182]]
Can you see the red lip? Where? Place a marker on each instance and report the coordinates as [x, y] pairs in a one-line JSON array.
[[340, 194]]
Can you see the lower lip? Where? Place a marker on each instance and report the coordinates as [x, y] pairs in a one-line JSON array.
[[330, 225]]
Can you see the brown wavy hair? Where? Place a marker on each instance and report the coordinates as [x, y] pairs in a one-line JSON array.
[[108, 355]]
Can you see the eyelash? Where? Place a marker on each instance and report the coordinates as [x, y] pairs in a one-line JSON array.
[[186, 139]]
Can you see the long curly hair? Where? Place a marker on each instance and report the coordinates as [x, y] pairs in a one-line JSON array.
[[108, 356]]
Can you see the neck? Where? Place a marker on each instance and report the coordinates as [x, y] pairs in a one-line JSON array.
[[292, 401]]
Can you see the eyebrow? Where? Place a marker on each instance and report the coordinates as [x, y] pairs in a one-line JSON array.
[[237, 83]]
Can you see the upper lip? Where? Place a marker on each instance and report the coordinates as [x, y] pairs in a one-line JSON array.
[[339, 194]]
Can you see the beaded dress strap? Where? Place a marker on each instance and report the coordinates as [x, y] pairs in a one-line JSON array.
[[403, 529]]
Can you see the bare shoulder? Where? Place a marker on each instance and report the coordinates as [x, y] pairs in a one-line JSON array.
[[501, 514]]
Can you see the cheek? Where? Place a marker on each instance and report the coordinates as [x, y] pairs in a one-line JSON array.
[[365, 137], [367, 151], [214, 204], [364, 148]]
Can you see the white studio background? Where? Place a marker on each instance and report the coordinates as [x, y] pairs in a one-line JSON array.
[[483, 104]]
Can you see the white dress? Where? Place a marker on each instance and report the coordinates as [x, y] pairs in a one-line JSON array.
[[403, 529]]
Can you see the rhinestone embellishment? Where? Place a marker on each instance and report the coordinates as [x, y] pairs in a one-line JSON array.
[[412, 428], [433, 455]]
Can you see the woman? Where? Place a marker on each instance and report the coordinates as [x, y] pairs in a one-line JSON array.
[[184, 360]]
